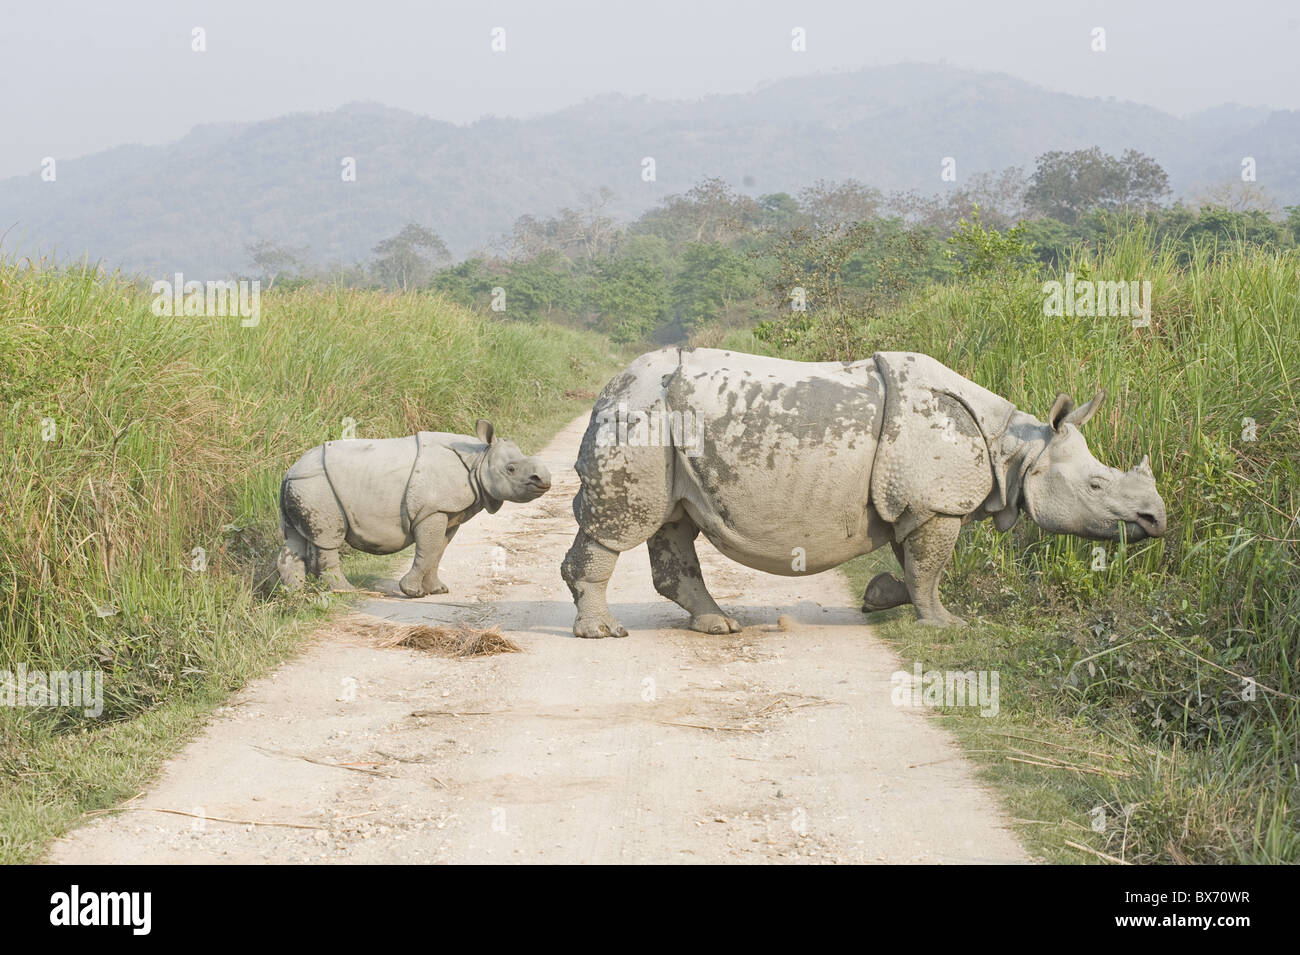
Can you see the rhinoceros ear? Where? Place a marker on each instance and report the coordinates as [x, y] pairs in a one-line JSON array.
[[483, 428], [1079, 416], [1062, 407]]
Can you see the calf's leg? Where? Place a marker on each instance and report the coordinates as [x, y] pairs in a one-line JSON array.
[[430, 541], [312, 512]]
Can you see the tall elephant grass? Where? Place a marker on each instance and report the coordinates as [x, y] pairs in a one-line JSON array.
[[1180, 654], [141, 462]]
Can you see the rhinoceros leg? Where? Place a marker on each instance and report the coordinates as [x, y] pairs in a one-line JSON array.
[[886, 590], [927, 550], [676, 571], [292, 562], [430, 541], [311, 510], [331, 571], [586, 569], [432, 582]]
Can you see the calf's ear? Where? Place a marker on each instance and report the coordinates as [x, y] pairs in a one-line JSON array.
[[483, 428]]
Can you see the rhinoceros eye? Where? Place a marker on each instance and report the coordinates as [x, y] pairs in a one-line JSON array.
[[1097, 484], [510, 469]]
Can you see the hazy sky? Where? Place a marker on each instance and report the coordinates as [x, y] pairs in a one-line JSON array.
[[83, 76]]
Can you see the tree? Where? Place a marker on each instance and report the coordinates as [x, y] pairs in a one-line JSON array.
[[631, 296], [407, 260], [539, 286], [837, 205], [712, 278], [1000, 197], [1293, 222], [710, 211], [1214, 224], [985, 254], [1237, 196], [1065, 185], [779, 209], [468, 283], [824, 281], [578, 234], [270, 259], [810, 264]]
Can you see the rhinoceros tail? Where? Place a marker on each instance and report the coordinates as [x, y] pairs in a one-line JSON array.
[[284, 506]]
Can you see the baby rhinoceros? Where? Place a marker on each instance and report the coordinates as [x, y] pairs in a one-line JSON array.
[[380, 496], [794, 468]]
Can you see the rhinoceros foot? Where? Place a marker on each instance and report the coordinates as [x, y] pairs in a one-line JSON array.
[[594, 628], [884, 591], [337, 582], [715, 623], [413, 585]]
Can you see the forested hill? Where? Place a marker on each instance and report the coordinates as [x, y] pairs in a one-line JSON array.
[[195, 204]]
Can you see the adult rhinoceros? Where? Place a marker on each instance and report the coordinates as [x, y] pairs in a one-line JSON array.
[[794, 467]]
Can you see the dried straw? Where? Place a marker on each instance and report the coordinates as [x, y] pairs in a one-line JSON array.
[[445, 641]]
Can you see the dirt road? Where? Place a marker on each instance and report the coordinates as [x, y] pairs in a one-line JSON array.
[[777, 744]]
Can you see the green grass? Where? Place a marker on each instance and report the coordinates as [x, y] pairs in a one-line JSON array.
[[170, 435], [1136, 668]]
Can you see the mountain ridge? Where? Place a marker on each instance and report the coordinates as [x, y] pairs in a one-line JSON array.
[[193, 204]]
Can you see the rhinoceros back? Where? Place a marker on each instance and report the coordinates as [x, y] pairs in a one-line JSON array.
[[369, 479], [771, 458], [779, 477]]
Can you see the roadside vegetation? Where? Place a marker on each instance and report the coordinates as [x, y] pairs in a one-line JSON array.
[[142, 459], [1150, 706]]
